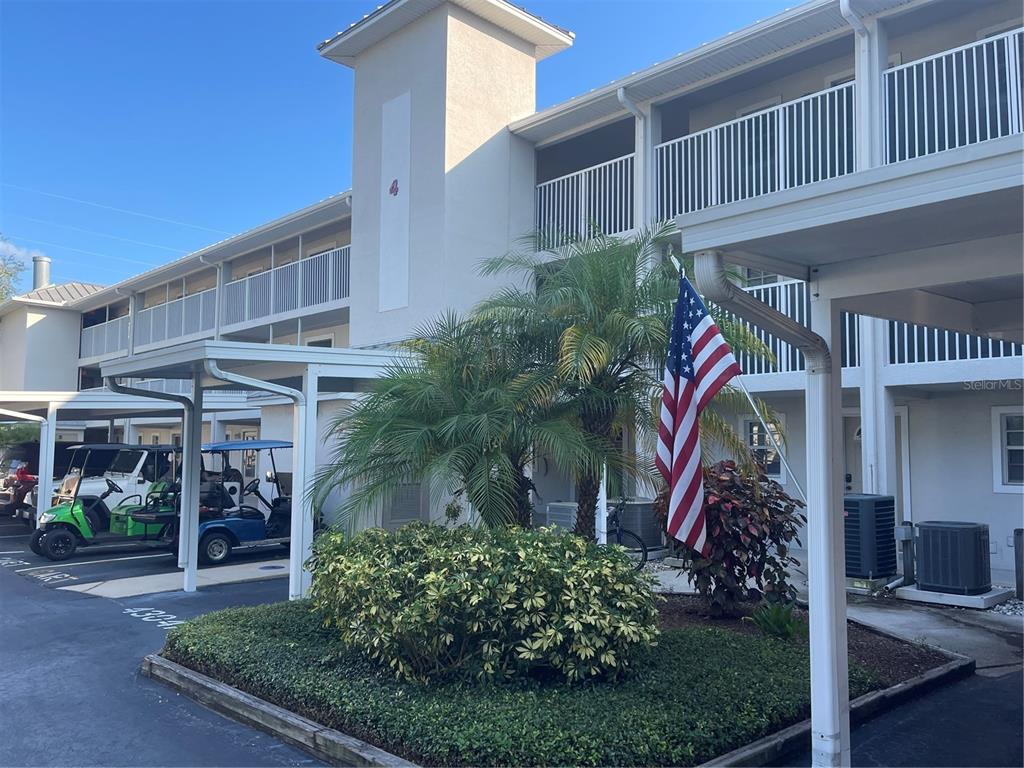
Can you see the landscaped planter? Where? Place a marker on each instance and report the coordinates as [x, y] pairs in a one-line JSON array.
[[701, 693]]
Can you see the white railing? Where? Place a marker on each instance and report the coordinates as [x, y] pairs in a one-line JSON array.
[[910, 343], [597, 198], [107, 338], [313, 281], [787, 146], [174, 386], [790, 297], [188, 316], [955, 98]]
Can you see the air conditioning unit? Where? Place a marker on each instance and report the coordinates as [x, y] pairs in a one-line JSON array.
[[638, 517], [560, 514], [870, 525], [953, 557]]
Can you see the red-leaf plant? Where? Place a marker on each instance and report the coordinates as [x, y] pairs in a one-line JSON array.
[[752, 523]]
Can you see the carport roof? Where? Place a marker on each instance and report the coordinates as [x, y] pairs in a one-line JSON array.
[[342, 370], [91, 404]]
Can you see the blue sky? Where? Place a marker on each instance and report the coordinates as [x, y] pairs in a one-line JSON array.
[[213, 117]]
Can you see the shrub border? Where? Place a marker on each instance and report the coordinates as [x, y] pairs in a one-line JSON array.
[[337, 748]]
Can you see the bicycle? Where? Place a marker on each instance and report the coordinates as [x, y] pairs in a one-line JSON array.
[[635, 548]]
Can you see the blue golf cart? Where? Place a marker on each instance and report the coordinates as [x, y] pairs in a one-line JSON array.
[[236, 515]]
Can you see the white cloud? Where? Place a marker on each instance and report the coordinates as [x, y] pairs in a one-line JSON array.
[[24, 255]]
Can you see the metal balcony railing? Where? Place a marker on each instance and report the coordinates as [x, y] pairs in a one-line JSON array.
[[787, 146], [106, 339], [955, 98], [596, 198], [311, 282], [186, 317]]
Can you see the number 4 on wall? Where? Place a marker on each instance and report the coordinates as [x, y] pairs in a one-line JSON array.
[[393, 189]]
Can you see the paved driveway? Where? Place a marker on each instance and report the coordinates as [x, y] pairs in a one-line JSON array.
[[70, 690]]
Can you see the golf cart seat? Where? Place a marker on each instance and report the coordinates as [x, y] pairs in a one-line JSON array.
[[154, 516]]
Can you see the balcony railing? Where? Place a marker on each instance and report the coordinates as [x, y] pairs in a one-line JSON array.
[[917, 344], [787, 146], [596, 198], [106, 339], [959, 97], [311, 282], [952, 99], [189, 316], [790, 297]]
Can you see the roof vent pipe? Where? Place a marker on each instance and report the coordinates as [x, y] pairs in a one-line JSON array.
[[40, 272]]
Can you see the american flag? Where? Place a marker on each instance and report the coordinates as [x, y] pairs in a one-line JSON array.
[[699, 364]]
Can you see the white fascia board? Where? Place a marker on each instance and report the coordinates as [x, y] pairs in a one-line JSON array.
[[976, 169], [960, 372]]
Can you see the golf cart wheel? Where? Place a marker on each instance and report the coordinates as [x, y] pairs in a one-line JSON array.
[[214, 548], [59, 544], [36, 542]]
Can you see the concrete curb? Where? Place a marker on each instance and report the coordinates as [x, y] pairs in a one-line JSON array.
[[327, 744], [774, 746]]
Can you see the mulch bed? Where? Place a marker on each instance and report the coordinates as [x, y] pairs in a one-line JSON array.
[[890, 661]]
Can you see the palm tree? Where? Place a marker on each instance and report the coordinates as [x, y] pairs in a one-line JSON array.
[[604, 304], [465, 410]]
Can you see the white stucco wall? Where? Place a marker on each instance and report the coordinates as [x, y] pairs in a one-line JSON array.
[[470, 185], [39, 349]]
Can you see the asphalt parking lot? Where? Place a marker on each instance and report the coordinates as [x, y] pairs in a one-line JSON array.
[[104, 563], [72, 694]]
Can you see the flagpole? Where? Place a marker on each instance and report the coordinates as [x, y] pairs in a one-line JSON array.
[[757, 411], [771, 436]]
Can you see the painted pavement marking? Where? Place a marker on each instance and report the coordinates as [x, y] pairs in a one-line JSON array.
[[95, 562]]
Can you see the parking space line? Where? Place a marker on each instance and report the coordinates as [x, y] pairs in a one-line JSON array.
[[20, 536], [94, 562], [14, 552]]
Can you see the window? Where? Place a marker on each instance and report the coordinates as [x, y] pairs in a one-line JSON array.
[[759, 277], [762, 447], [326, 340], [1008, 449]]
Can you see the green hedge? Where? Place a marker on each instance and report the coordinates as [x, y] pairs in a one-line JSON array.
[[698, 694]]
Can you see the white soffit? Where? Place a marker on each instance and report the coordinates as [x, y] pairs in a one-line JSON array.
[[811, 23], [343, 48]]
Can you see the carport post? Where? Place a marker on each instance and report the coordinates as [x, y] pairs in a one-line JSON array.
[[192, 441], [830, 697], [830, 701], [303, 466], [47, 439]]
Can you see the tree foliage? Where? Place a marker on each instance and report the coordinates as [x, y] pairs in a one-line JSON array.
[[604, 305], [11, 267], [466, 409], [752, 524]]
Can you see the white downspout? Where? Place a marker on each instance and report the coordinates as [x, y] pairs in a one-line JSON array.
[[830, 701], [853, 18], [299, 468]]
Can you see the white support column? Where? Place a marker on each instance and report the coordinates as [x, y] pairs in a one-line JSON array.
[[871, 58], [47, 438], [188, 535], [877, 410], [830, 698], [601, 511], [218, 304], [305, 440], [133, 315]]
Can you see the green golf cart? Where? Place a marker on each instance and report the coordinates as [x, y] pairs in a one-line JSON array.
[[75, 522]]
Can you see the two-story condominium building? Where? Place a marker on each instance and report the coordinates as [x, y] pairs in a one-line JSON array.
[[860, 159]]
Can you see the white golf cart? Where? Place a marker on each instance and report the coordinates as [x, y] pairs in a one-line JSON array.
[[132, 468]]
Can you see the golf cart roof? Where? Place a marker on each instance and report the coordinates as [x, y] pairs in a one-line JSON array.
[[246, 445], [122, 447]]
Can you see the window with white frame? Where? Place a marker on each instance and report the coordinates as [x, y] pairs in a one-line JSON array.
[[1008, 449], [762, 446]]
